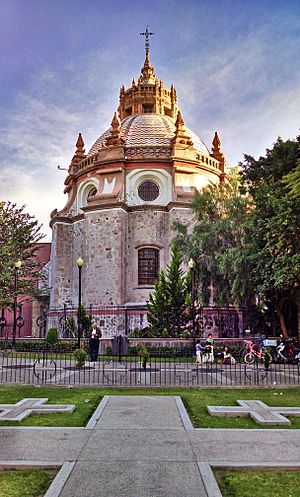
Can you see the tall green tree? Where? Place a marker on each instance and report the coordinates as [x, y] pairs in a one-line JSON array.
[[168, 301], [274, 244], [158, 306], [176, 287], [19, 235], [246, 239], [217, 243]]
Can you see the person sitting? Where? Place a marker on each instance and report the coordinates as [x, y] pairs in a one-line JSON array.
[[227, 357]]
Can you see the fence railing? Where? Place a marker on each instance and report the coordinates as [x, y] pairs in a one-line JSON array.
[[50, 368], [127, 320]]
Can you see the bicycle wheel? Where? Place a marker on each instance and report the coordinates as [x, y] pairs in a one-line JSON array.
[[249, 358]]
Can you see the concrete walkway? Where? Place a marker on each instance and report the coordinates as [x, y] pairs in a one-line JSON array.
[[144, 447]]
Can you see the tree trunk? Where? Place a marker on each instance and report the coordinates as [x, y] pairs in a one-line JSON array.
[[282, 321]]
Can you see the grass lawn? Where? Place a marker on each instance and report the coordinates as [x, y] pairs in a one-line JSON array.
[[247, 483], [195, 400], [25, 483]]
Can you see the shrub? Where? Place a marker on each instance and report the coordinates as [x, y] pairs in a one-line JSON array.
[[71, 329], [52, 336], [40, 345], [80, 357], [162, 350], [145, 356]]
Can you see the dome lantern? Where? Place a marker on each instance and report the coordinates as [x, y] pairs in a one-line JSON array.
[[149, 96]]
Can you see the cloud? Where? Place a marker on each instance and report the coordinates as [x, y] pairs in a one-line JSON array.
[[246, 91], [40, 129], [243, 83]]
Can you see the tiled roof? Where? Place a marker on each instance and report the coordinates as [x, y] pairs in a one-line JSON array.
[[144, 130]]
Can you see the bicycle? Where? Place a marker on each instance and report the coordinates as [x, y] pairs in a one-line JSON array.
[[255, 352]]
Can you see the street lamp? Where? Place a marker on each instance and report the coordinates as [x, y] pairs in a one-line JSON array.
[[191, 265], [18, 264], [79, 263]]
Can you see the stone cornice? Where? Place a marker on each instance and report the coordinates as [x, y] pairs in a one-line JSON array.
[[118, 205], [66, 219]]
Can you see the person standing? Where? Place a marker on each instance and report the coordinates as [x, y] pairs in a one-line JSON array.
[[94, 343], [199, 353], [209, 349]]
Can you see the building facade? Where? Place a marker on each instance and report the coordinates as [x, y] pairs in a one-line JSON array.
[[124, 195]]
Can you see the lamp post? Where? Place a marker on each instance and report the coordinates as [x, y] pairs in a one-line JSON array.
[[18, 264], [191, 265], [79, 263]]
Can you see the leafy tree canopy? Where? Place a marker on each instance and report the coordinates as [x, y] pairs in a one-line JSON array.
[[274, 244], [246, 239], [19, 235], [217, 242]]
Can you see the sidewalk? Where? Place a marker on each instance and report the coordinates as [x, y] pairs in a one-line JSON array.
[[144, 446], [139, 448]]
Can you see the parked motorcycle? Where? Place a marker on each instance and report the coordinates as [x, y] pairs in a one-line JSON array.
[[286, 351]]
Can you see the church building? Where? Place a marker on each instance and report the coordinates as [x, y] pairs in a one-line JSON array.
[[124, 195]]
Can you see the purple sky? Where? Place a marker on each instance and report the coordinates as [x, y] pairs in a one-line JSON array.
[[235, 65]]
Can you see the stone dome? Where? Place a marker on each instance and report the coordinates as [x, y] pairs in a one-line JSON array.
[[148, 130]]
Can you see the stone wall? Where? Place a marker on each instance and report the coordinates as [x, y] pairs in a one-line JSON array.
[[104, 257], [61, 264]]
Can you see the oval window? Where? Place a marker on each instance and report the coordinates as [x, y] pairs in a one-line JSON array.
[[148, 191]]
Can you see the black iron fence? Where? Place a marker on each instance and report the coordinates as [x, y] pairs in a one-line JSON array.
[[52, 368], [129, 320]]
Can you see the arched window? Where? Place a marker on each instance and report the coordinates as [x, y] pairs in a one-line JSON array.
[[92, 192], [86, 191], [148, 266]]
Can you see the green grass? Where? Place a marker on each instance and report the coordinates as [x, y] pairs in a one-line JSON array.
[[195, 400], [258, 483], [85, 399], [25, 483]]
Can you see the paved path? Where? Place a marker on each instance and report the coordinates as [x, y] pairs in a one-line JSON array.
[[144, 447]]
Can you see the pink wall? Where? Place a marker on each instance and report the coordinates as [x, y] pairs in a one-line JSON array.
[[43, 256]]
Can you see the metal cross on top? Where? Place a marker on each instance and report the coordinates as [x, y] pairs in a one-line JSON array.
[[147, 33]]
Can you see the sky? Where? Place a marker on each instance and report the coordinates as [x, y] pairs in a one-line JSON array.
[[234, 63]]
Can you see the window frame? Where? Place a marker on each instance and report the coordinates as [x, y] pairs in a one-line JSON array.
[[148, 265], [151, 182]]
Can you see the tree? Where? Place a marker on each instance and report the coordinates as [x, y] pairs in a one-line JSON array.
[[19, 235], [217, 243], [168, 301], [246, 239], [85, 321], [158, 307], [176, 289], [274, 244], [292, 181]]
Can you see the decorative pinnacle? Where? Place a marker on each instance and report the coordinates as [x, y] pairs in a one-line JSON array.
[[147, 33], [179, 120], [80, 143], [217, 152], [116, 123], [216, 143]]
